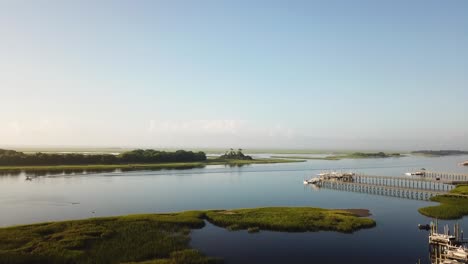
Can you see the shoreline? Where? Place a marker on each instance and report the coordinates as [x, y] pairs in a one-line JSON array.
[[344, 156], [139, 166]]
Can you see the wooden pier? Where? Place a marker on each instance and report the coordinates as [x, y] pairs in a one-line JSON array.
[[421, 187], [446, 248], [411, 182], [448, 176], [400, 192]]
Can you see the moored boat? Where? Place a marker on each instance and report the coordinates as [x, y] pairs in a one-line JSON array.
[[416, 173], [312, 181]]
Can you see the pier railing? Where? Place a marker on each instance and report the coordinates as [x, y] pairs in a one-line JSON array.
[[406, 182], [400, 192], [421, 187]]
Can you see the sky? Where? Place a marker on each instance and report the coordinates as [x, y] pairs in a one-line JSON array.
[[253, 74]]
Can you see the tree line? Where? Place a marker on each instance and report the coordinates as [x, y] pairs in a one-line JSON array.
[[15, 158]]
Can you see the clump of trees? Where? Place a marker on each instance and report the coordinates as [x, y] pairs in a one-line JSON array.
[[238, 155], [15, 158], [374, 155]]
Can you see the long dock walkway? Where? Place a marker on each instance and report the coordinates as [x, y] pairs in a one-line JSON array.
[[400, 192], [449, 176], [421, 187], [406, 182]]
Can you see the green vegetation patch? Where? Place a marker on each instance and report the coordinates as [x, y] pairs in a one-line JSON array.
[[102, 240], [155, 238], [451, 206], [290, 219], [460, 189], [186, 256]]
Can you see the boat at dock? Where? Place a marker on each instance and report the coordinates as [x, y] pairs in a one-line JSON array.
[[331, 176], [312, 181], [416, 173], [334, 174]]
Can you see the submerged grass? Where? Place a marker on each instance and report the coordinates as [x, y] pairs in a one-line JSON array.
[[452, 206], [155, 238]]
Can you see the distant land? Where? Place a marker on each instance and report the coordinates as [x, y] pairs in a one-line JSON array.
[[208, 150], [355, 155], [440, 152], [139, 159]]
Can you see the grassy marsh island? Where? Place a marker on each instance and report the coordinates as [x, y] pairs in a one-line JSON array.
[[161, 238], [438, 153], [355, 155], [156, 238], [290, 219], [452, 206], [13, 161]]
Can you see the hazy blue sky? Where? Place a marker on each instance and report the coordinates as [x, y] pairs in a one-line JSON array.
[[278, 74]]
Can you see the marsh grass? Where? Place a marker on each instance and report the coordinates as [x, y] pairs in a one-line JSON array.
[[451, 206], [289, 219], [102, 240], [155, 238], [460, 189]]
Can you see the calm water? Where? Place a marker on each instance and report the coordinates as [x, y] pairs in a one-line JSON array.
[[395, 239]]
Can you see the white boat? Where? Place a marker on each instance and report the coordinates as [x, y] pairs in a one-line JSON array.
[[459, 253], [417, 173], [312, 181]]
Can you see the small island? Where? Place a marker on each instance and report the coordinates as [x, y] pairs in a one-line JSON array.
[[157, 238]]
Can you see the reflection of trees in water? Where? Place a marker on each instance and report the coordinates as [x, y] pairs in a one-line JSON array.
[[54, 172], [238, 165]]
